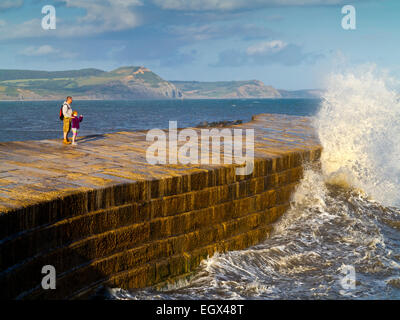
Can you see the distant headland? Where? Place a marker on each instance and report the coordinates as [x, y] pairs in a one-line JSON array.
[[127, 83]]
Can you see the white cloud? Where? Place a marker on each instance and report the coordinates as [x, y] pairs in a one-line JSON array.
[[267, 52], [266, 47], [104, 15], [101, 16], [199, 32], [227, 5], [39, 51], [27, 29], [9, 4], [47, 50]]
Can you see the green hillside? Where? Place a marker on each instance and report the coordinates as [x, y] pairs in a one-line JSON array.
[[122, 83]]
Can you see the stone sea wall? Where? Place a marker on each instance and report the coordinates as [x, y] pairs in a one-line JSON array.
[[134, 232]]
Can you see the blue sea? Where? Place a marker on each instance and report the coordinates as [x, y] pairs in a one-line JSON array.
[[39, 120]]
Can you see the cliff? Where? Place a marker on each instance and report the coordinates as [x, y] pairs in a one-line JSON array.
[[226, 89]]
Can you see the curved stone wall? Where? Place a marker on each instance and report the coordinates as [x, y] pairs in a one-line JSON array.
[[138, 231]]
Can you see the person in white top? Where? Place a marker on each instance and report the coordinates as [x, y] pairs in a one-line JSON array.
[[67, 112]]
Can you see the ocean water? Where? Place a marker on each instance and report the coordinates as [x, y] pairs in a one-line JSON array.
[[24, 120], [328, 233]]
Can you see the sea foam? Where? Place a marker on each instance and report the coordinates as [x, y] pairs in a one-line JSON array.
[[359, 128]]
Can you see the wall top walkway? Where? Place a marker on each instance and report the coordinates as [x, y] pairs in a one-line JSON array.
[[35, 171]]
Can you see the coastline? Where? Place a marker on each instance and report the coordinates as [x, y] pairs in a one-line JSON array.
[[150, 99]]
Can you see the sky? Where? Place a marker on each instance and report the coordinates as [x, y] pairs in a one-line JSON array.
[[289, 44]]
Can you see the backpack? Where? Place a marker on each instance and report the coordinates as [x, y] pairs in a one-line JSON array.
[[61, 113]]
